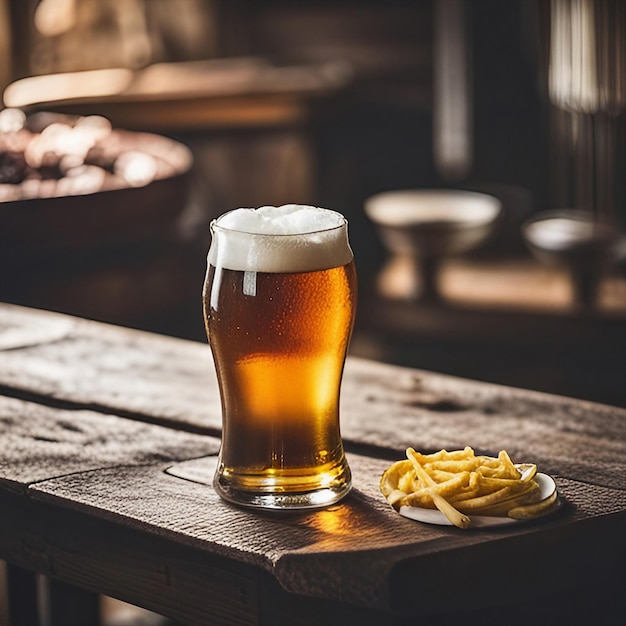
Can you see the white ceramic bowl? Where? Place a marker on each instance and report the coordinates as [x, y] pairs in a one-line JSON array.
[[433, 222]]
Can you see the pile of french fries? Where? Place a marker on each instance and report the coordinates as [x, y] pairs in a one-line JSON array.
[[461, 484]]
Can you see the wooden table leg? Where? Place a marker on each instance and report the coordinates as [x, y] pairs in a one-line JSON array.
[[61, 604], [71, 606], [22, 596]]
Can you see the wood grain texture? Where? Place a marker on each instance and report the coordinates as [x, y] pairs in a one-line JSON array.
[[172, 382], [138, 567], [118, 370], [396, 407], [107, 443], [149, 570], [21, 327], [38, 442], [344, 553]]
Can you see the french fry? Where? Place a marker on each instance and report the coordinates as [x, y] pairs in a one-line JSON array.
[[481, 502], [421, 498], [528, 471], [396, 496], [521, 500], [458, 519], [392, 476], [444, 489], [532, 510], [460, 483]]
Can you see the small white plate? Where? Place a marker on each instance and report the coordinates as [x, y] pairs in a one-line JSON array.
[[434, 516]]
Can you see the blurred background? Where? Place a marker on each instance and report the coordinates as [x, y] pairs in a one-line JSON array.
[[127, 125]]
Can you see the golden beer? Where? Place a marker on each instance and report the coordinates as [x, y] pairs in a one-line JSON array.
[[279, 341]]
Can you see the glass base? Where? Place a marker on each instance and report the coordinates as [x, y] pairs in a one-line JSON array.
[[282, 498]]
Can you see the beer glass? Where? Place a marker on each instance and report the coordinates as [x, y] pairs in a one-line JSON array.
[[279, 301]]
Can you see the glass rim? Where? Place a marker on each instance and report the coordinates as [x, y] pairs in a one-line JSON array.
[[214, 225]]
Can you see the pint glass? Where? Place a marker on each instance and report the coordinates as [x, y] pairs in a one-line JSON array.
[[279, 301]]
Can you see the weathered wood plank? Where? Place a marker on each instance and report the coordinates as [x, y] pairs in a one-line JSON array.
[[134, 566], [85, 495], [172, 382], [151, 570], [114, 369], [344, 553], [39, 442], [396, 407], [21, 327]]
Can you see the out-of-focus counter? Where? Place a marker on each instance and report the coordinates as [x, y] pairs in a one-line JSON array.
[[509, 321]]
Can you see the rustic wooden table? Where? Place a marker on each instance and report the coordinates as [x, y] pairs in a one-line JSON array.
[[108, 439]]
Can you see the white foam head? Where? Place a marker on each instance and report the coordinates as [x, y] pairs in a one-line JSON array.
[[288, 238]]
